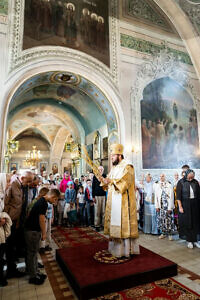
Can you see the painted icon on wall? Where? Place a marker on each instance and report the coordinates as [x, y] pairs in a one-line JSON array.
[[78, 24], [14, 166], [169, 126], [97, 146], [55, 168], [43, 167], [105, 148], [90, 151]]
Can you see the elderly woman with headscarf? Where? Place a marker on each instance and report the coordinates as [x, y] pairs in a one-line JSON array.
[[188, 197], [164, 203], [150, 224]]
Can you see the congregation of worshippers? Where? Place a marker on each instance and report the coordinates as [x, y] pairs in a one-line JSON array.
[[31, 204]]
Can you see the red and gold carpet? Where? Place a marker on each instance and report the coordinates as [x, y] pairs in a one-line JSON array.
[[74, 237]]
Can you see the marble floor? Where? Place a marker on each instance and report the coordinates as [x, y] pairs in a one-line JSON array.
[[57, 287]]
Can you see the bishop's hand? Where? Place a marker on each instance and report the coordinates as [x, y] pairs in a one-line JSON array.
[[106, 180]]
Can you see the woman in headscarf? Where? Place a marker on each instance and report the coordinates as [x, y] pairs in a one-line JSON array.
[[188, 197], [64, 182]]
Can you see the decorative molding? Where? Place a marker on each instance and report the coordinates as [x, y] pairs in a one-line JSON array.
[[192, 10], [142, 9], [152, 48], [18, 58], [162, 65], [3, 19]]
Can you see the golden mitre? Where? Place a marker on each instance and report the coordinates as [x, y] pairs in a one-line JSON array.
[[116, 149]]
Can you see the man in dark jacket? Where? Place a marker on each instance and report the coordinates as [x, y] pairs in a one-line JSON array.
[[15, 201], [99, 198]]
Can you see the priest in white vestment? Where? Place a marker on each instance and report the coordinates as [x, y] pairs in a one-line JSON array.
[[121, 212]]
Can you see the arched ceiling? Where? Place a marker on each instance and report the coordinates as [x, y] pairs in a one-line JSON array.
[[32, 133], [33, 136], [47, 119], [53, 100]]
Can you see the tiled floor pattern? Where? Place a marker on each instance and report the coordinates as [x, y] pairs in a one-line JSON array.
[[57, 287], [59, 284]]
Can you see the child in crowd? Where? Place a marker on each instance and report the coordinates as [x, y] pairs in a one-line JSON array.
[[70, 200], [5, 229], [81, 205], [35, 227], [89, 203], [43, 191]]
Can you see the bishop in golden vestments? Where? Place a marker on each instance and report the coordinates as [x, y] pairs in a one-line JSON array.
[[121, 213]]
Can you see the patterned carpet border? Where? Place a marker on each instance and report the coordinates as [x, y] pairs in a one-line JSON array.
[[167, 289]]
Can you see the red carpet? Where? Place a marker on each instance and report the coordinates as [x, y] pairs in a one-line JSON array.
[[166, 289], [90, 278]]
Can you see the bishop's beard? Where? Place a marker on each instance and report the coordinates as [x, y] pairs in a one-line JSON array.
[[115, 163]]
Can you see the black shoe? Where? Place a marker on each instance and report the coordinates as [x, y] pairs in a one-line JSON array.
[[97, 229], [15, 274], [42, 276], [47, 248], [3, 282], [42, 250], [40, 266], [36, 280]]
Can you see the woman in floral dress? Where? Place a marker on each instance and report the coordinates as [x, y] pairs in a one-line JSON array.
[[164, 203]]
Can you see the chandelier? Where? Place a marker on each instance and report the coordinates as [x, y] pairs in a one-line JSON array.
[[33, 157]]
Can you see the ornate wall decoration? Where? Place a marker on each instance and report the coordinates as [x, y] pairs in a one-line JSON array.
[[4, 7], [152, 48], [192, 10], [146, 11], [19, 58], [162, 65]]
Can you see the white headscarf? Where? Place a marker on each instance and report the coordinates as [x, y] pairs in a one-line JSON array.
[[3, 184]]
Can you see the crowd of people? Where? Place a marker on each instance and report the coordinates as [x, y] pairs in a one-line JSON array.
[[170, 208], [30, 204]]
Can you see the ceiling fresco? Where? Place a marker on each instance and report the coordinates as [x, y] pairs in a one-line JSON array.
[[46, 118], [84, 104]]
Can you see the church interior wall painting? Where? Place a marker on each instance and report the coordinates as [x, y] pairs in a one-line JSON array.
[[97, 146], [169, 126], [13, 166], [55, 168], [105, 148], [79, 24], [43, 166], [90, 151]]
